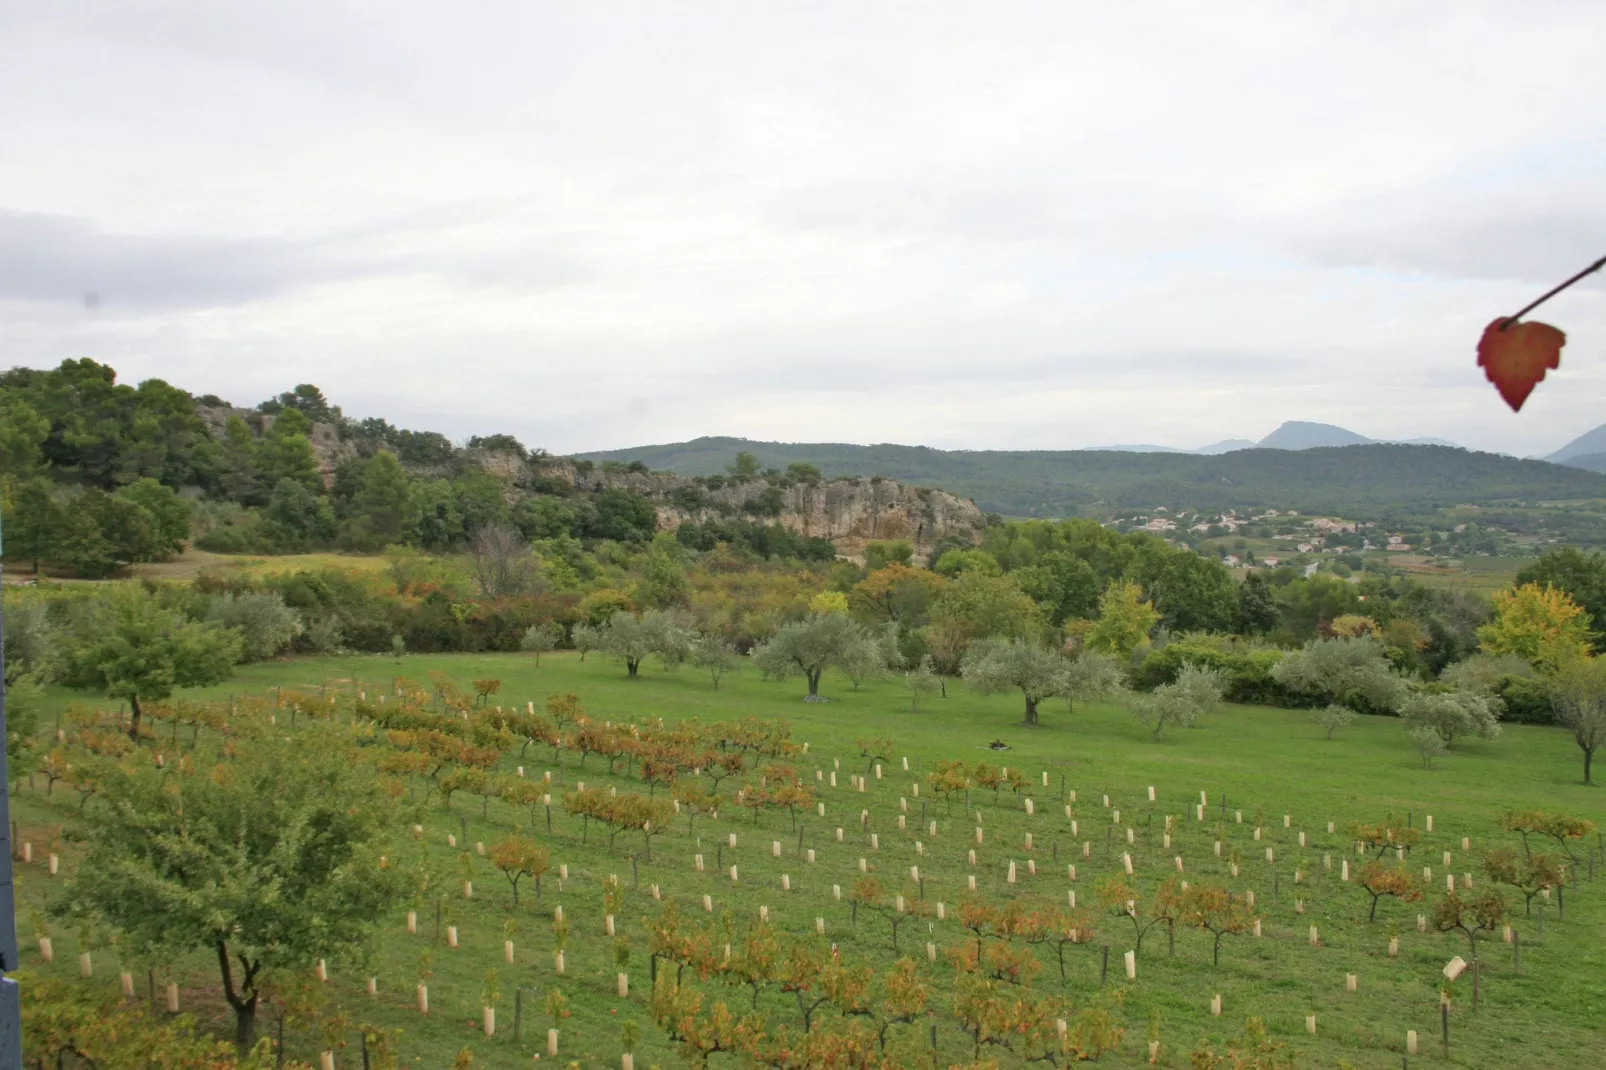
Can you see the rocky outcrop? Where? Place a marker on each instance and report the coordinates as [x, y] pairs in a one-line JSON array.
[[849, 512], [330, 449]]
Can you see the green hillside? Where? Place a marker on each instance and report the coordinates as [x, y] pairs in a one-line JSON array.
[[1594, 462], [1362, 481]]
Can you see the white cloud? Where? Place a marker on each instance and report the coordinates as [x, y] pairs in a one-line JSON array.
[[1030, 225]]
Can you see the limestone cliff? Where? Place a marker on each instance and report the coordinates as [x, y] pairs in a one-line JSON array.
[[849, 512], [328, 448]]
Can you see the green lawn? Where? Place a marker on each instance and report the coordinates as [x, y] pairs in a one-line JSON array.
[[1259, 761]]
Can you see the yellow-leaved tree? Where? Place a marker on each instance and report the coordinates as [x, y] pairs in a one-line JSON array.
[[829, 602], [1125, 619], [1542, 624]]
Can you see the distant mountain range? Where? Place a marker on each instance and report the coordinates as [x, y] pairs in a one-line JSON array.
[[1593, 462], [1585, 451], [1293, 435], [1361, 481]]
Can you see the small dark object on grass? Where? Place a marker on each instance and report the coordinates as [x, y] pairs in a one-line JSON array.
[[998, 744]]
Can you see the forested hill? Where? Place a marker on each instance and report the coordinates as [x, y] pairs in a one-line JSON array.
[[1359, 481], [97, 474]]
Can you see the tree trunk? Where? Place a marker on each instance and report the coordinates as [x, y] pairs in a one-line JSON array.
[[245, 1024], [243, 1000], [133, 721], [1589, 754], [814, 682], [631, 665], [1031, 712]]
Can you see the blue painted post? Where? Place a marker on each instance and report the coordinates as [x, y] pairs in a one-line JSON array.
[[10, 997]]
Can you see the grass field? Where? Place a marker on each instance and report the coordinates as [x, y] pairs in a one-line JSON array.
[[1258, 761], [1486, 574], [192, 562]]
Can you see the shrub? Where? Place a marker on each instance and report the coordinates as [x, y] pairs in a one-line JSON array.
[[1246, 670], [266, 625], [1353, 672], [1527, 699], [322, 635]]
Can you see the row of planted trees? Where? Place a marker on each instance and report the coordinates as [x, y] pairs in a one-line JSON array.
[[243, 792], [214, 805]]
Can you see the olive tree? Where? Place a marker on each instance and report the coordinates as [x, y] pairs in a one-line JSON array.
[[716, 656], [1332, 718], [1092, 675], [670, 635], [1579, 696], [1453, 714], [270, 860], [586, 637], [1196, 691], [872, 654], [807, 647], [1483, 672], [1037, 672], [1428, 743], [541, 639], [629, 639], [918, 681], [1351, 671]]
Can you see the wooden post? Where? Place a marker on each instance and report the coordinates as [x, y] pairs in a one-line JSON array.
[[1104, 965]]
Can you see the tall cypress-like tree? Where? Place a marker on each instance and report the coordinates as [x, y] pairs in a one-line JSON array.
[[383, 511], [286, 453], [1257, 607]]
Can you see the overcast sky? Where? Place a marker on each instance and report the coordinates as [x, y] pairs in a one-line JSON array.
[[595, 225]]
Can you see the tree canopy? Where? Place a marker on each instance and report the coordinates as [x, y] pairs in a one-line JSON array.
[[269, 860], [130, 647]]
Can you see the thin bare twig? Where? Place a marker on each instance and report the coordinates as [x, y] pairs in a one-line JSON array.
[[1590, 270]]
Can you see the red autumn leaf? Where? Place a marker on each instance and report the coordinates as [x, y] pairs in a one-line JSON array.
[[1515, 359]]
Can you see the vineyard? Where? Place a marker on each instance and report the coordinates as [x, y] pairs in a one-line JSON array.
[[565, 865]]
